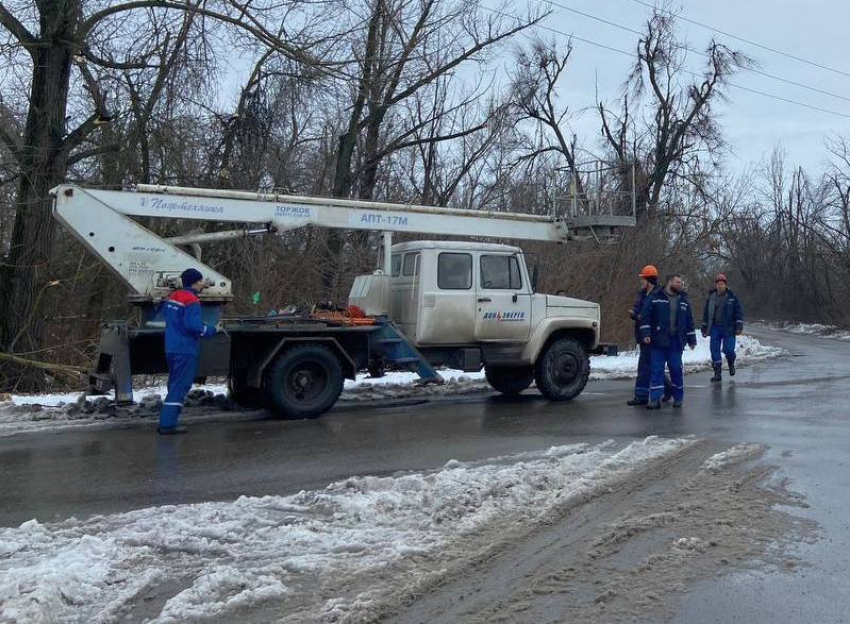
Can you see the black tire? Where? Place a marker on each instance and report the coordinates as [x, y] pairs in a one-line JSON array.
[[303, 382], [244, 395], [509, 380], [562, 370]]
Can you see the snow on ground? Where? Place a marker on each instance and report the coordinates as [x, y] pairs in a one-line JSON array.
[[813, 329], [622, 366], [50, 411], [65, 398], [328, 555], [733, 455]]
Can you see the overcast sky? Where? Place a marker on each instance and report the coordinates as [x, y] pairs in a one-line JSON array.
[[754, 125]]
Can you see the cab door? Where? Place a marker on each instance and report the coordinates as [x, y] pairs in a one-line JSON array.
[[503, 299], [405, 293]]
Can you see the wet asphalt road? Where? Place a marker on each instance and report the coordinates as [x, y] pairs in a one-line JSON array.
[[797, 404]]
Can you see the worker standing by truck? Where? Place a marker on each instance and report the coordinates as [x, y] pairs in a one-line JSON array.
[[648, 282], [183, 331], [667, 325], [722, 320]]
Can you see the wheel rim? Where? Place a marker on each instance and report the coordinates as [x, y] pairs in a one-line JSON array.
[[305, 382], [565, 368]]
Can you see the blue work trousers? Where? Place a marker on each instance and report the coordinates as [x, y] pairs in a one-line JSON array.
[[721, 342], [181, 373], [644, 374], [671, 356]]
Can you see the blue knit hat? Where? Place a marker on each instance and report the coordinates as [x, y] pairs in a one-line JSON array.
[[190, 276]]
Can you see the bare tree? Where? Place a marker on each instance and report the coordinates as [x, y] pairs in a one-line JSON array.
[[409, 45], [535, 83], [63, 45], [679, 131], [405, 48]]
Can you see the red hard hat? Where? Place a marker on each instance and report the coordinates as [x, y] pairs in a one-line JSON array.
[[721, 277], [648, 271]]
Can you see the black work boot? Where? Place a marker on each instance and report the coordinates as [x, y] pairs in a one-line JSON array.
[[636, 401], [731, 362], [717, 373], [677, 403], [654, 405]]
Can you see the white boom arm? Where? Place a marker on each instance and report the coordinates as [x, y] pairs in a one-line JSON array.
[[148, 264]]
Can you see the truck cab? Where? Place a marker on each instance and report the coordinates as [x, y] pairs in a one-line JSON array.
[[445, 293], [469, 305]]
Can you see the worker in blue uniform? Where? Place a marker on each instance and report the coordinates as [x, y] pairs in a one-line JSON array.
[[648, 282], [667, 325], [722, 320], [183, 331]]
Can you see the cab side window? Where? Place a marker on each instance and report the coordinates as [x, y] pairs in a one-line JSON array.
[[500, 273], [411, 264], [454, 271], [396, 264]]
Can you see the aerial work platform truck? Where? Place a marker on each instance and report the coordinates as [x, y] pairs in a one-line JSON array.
[[433, 303]]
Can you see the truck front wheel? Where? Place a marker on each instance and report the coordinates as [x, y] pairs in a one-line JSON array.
[[562, 370], [304, 381], [510, 380]]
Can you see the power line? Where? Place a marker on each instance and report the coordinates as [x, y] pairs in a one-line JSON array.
[[700, 52], [786, 100], [596, 18], [751, 42], [692, 73]]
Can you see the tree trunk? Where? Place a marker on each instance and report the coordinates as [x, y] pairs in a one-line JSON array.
[[371, 159], [343, 175], [43, 160]]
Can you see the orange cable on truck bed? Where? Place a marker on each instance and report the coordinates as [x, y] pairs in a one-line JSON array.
[[352, 315]]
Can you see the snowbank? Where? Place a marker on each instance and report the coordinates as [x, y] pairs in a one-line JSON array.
[[602, 367], [623, 366], [734, 455], [328, 555], [37, 412], [66, 398], [813, 329]]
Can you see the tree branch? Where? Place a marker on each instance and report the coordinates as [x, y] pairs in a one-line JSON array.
[[95, 151], [119, 65], [11, 142], [72, 371], [257, 31], [464, 56], [394, 147], [20, 32], [79, 134]]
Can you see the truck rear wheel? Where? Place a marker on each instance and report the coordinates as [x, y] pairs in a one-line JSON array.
[[304, 381], [562, 370], [510, 380]]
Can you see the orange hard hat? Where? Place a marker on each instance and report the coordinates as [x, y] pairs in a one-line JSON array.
[[648, 271]]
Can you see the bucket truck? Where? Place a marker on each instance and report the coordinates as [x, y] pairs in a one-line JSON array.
[[465, 305]]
